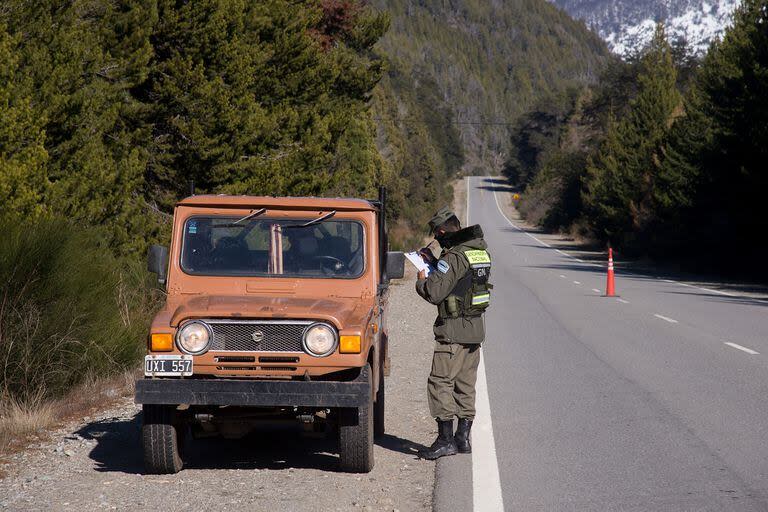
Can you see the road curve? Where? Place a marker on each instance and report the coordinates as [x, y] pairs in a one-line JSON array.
[[655, 400]]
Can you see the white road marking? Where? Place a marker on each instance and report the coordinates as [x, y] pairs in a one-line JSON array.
[[743, 349], [665, 318], [704, 289], [623, 301], [466, 213], [595, 290], [486, 483], [577, 282], [496, 198], [545, 244], [561, 275]]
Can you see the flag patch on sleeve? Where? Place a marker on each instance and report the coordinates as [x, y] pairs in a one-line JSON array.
[[443, 266]]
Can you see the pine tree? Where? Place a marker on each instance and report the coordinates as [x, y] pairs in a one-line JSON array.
[[682, 158], [23, 176], [264, 98], [608, 184], [82, 59], [622, 178], [733, 85]]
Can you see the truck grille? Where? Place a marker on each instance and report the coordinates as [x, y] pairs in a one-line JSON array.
[[257, 336]]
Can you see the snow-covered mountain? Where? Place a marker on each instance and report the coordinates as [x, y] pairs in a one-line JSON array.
[[627, 25]]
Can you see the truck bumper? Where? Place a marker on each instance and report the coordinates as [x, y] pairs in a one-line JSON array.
[[256, 393]]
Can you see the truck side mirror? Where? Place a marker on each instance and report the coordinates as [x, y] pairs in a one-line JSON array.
[[395, 265], [157, 262]]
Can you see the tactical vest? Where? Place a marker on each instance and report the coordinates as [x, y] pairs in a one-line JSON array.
[[472, 294]]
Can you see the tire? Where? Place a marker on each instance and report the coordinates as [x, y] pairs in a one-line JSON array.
[[356, 435], [378, 409], [162, 438]]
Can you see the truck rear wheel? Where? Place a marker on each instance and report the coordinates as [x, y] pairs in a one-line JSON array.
[[356, 435], [162, 438], [378, 409]]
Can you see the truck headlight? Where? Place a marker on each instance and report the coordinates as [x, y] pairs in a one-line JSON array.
[[194, 338], [319, 340]]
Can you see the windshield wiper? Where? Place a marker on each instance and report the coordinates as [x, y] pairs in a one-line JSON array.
[[254, 213], [313, 221]]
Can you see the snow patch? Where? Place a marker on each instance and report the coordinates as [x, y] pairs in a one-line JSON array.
[[628, 25]]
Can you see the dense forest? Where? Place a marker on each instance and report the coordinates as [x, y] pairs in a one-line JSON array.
[[459, 73], [662, 157], [111, 108]]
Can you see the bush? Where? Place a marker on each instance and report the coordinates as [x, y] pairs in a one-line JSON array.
[[553, 199], [69, 309]]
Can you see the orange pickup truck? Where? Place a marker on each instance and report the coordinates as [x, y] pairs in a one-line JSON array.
[[276, 308]]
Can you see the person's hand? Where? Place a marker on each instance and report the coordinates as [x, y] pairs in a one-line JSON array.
[[427, 256], [422, 275]]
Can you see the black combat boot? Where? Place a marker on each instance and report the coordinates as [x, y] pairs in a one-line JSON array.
[[443, 445], [462, 436]]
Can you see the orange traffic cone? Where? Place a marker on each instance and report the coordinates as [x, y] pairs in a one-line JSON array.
[[610, 289]]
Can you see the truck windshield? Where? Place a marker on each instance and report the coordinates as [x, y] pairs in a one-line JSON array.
[[216, 246]]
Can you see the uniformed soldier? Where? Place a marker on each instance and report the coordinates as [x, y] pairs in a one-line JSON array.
[[460, 289]]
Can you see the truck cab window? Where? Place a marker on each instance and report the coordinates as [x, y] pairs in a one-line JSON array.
[[217, 246]]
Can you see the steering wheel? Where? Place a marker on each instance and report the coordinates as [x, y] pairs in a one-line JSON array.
[[336, 263]]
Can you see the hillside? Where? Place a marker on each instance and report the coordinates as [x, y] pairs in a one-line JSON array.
[[628, 25], [459, 73], [488, 61]]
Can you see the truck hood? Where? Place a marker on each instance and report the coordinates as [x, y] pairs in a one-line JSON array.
[[343, 313]]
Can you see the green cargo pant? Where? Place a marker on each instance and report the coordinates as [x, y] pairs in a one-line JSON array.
[[451, 384]]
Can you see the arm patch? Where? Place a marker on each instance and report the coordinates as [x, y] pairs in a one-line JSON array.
[[443, 266]]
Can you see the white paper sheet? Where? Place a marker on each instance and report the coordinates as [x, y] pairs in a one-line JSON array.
[[418, 262]]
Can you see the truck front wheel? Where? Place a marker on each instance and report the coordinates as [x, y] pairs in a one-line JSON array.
[[356, 435], [162, 438]]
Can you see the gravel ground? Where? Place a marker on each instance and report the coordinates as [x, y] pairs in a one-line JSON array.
[[97, 464]]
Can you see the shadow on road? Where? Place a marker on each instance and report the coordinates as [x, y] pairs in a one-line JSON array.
[[711, 297], [498, 185], [498, 188], [569, 268], [118, 449]]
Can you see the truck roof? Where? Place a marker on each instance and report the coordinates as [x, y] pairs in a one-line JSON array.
[[302, 203]]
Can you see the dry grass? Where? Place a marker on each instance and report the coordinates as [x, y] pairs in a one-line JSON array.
[[19, 419], [24, 422]]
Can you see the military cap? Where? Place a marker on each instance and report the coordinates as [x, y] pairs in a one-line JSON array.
[[440, 218]]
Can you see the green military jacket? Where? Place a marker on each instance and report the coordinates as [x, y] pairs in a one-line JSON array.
[[452, 266]]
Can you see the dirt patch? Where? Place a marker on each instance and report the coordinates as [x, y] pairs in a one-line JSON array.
[[95, 463], [25, 423], [460, 199]]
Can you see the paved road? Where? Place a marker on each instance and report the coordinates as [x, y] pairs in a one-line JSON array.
[[598, 403]]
